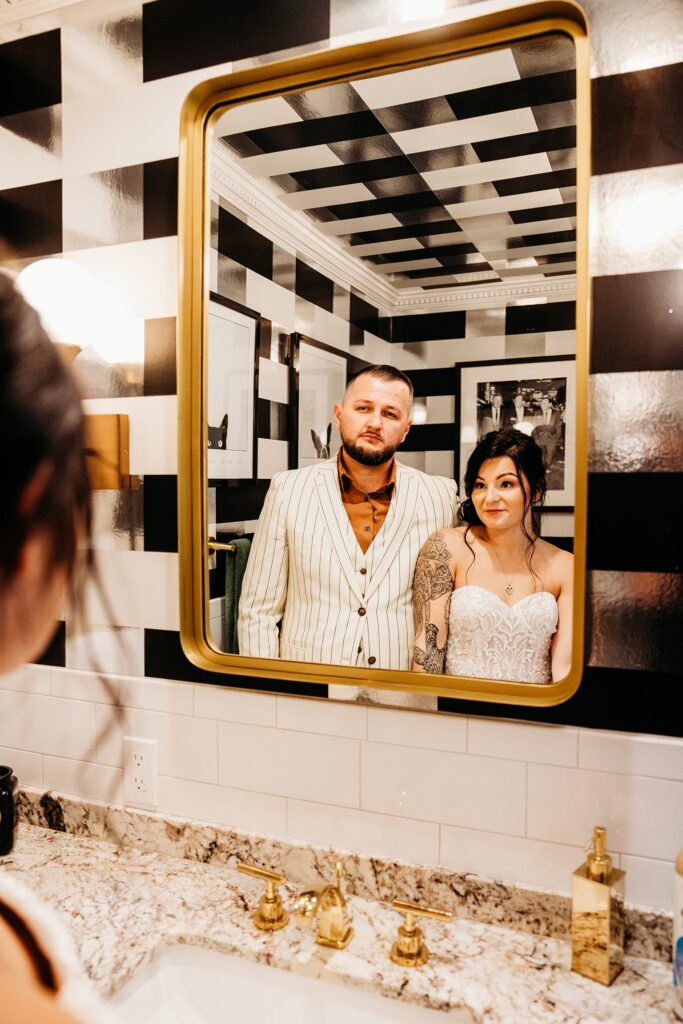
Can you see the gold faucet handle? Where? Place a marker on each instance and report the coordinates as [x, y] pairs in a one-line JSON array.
[[409, 950], [270, 913]]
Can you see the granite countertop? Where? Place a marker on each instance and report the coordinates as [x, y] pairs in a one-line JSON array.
[[123, 905]]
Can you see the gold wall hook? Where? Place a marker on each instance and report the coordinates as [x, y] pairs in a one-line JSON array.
[[409, 950], [270, 913]]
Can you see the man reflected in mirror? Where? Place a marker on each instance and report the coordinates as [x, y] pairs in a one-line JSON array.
[[330, 574]]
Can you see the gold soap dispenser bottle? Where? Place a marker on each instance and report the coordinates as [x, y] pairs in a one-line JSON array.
[[598, 914]]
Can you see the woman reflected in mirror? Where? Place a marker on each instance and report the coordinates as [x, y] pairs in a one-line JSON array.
[[491, 598]]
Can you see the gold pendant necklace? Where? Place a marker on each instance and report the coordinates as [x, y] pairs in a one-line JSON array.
[[508, 588]]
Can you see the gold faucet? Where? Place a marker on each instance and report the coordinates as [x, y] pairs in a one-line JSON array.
[[334, 920]]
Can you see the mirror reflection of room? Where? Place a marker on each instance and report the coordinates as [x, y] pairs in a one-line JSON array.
[[392, 304]]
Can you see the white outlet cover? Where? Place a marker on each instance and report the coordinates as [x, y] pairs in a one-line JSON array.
[[140, 772]]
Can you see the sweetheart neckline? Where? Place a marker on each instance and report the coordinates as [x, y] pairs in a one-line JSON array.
[[537, 593]]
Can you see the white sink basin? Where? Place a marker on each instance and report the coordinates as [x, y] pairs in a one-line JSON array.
[[191, 985]]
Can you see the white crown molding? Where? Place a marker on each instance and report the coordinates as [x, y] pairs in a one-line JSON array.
[[295, 233]]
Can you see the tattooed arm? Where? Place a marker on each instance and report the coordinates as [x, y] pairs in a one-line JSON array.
[[432, 589]]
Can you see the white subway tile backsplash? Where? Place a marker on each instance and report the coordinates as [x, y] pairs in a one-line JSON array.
[[656, 756], [510, 858], [84, 686], [295, 764], [412, 729], [548, 744], [320, 717], [378, 835], [47, 725], [157, 695], [200, 801], [27, 767], [27, 679], [648, 882], [80, 778], [235, 705], [187, 746], [432, 785], [643, 817]]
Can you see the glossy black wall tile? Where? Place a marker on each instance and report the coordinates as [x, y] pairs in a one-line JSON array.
[[634, 522], [30, 73], [161, 198], [427, 383], [241, 243], [430, 437], [314, 286], [178, 37], [160, 356], [428, 326], [546, 316], [638, 119], [31, 218], [160, 512], [637, 322], [55, 652]]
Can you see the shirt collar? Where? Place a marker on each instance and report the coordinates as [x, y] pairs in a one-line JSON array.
[[346, 482]]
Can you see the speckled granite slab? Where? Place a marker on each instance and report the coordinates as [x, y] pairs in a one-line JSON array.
[[123, 905], [526, 909]]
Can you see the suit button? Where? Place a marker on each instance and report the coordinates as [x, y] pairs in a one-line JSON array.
[[363, 572], [371, 661], [361, 611]]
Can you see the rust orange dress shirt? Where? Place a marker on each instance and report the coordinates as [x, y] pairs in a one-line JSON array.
[[366, 512]]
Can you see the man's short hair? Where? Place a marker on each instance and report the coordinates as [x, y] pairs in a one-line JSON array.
[[382, 371]]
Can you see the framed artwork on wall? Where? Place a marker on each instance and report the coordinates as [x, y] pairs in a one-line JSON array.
[[231, 386], [536, 396], [318, 381]]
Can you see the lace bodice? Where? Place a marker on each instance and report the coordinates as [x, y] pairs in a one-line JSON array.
[[492, 640]]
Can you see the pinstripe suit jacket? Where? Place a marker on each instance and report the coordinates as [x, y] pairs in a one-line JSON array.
[[304, 585]]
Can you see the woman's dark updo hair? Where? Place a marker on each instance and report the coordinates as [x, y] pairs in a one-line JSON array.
[[528, 460], [41, 432]]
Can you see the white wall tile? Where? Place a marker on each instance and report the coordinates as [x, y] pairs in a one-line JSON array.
[[187, 747], [560, 343], [84, 686], [296, 764], [643, 817], [434, 732], [153, 425], [273, 381], [431, 785], [656, 756], [157, 695], [234, 705], [138, 280], [23, 162], [273, 457], [27, 679], [119, 649], [321, 717], [377, 835], [199, 801], [439, 464], [510, 858], [271, 300], [548, 744], [27, 767], [141, 587], [92, 781], [648, 882], [47, 725]]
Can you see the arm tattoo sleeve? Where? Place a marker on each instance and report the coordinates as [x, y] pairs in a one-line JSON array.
[[433, 579]]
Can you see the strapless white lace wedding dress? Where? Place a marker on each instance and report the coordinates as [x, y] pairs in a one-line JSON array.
[[492, 640]]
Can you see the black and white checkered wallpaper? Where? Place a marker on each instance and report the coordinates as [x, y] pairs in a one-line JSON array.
[[89, 139]]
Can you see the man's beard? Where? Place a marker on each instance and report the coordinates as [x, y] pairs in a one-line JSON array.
[[368, 457]]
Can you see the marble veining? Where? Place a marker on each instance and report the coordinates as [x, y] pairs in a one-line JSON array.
[[124, 904], [526, 909]]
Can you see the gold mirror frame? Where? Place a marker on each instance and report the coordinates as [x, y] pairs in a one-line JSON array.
[[496, 28]]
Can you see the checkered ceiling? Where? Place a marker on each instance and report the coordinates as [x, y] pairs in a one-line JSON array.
[[439, 177]]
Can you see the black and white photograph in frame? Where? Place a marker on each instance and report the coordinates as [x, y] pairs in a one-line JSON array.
[[320, 375], [231, 387], [536, 396]]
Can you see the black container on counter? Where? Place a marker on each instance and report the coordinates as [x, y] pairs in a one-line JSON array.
[[9, 790]]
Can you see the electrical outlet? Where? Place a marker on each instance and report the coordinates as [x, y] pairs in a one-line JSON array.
[[140, 772]]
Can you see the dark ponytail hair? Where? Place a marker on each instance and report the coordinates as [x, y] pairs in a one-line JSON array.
[[528, 460], [41, 431]]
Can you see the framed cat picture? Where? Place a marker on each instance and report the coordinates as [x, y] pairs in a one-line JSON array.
[[231, 390], [318, 381]]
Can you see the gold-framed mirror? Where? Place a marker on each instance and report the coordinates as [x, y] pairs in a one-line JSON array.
[[418, 201]]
